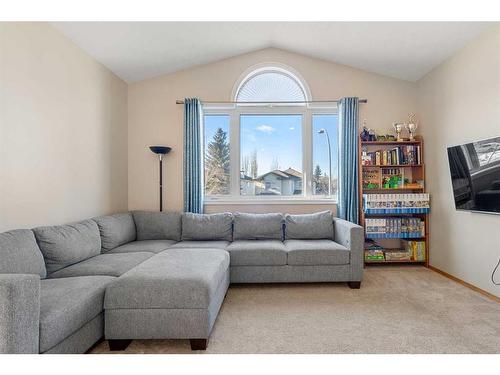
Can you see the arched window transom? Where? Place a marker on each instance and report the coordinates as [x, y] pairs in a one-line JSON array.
[[271, 85]]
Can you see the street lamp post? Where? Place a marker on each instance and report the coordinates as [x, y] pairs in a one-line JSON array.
[[324, 131]]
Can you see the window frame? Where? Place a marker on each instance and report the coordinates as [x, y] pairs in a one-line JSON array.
[[235, 112]]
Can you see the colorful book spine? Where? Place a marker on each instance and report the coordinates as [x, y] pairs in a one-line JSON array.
[[400, 155], [408, 227], [396, 203], [416, 249]]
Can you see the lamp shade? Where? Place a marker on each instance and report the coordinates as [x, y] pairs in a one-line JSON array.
[[160, 150]]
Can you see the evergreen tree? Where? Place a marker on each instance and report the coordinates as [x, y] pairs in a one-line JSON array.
[[217, 164], [317, 179], [320, 181]]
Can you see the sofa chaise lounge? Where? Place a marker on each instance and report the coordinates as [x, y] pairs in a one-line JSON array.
[[152, 275]]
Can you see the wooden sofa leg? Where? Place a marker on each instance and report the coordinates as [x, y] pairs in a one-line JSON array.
[[199, 344], [354, 284], [116, 345]]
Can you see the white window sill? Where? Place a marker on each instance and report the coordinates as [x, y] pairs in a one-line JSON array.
[[264, 201]]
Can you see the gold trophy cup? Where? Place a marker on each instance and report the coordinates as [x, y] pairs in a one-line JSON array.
[[398, 127], [412, 126]]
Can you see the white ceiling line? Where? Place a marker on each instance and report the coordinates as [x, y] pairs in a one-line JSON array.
[[139, 50]]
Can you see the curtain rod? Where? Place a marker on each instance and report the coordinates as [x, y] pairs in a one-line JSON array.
[[292, 102]]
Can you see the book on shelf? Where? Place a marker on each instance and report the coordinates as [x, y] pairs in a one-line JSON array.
[[401, 255], [373, 251], [411, 251], [416, 249], [396, 203], [400, 227], [400, 155], [374, 255]]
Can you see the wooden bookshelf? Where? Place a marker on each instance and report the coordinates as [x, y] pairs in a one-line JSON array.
[[415, 173]]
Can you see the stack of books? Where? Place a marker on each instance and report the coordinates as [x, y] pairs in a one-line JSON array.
[[416, 249], [373, 251], [402, 227], [396, 203], [398, 255], [401, 155], [374, 255]]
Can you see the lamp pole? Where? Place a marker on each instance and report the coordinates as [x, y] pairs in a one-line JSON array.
[[161, 181], [324, 131], [160, 151]]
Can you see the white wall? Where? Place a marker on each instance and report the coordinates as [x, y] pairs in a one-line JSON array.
[[459, 102], [63, 130]]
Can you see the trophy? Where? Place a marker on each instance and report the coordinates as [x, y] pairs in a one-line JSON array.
[[412, 126], [398, 126]]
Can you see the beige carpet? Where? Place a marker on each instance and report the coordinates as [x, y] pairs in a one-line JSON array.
[[397, 310]]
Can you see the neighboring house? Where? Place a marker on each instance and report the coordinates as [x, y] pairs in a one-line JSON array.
[[248, 185], [296, 177], [287, 182]]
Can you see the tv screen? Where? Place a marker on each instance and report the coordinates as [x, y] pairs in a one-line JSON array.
[[475, 175]]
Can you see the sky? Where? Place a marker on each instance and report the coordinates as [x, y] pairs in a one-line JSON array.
[[280, 137]]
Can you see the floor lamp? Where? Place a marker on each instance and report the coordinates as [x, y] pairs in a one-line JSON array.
[[160, 151]]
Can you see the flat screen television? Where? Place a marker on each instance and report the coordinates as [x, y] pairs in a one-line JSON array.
[[475, 175]]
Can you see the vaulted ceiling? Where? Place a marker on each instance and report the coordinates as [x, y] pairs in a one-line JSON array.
[[140, 50]]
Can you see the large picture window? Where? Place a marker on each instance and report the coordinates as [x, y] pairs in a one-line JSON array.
[[271, 154], [260, 151]]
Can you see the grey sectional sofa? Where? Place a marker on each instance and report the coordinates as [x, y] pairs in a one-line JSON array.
[[151, 275]]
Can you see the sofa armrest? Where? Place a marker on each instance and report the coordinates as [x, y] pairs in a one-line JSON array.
[[351, 236], [19, 313]]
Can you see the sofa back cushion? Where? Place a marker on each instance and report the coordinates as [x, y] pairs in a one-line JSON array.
[[207, 226], [157, 225], [257, 226], [317, 226], [116, 230], [64, 245], [19, 253]]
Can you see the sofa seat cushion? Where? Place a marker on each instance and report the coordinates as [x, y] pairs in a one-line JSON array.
[[104, 265], [19, 253], [116, 230], [173, 279], [64, 245], [152, 246], [200, 245], [316, 252], [257, 253], [68, 304]]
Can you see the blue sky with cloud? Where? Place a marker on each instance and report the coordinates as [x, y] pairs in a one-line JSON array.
[[279, 137]]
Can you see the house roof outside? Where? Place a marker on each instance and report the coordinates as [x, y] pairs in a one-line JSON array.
[[286, 174], [275, 172], [292, 172]]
